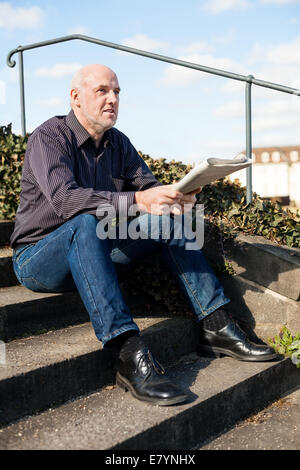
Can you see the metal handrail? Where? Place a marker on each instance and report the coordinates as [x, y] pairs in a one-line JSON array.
[[248, 79]]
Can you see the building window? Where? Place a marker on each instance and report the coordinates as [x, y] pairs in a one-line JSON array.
[[265, 157], [276, 157], [294, 155]]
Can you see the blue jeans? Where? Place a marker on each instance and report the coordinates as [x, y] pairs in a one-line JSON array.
[[73, 256]]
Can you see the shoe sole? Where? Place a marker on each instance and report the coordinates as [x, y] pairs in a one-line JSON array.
[[125, 385], [219, 352]]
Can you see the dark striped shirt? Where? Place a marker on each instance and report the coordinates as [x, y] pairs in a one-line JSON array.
[[64, 175]]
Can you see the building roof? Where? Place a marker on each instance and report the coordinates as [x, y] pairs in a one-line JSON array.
[[276, 154]]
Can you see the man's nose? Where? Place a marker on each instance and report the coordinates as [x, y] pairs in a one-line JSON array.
[[112, 97]]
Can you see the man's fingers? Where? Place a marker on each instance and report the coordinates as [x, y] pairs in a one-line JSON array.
[[196, 191]]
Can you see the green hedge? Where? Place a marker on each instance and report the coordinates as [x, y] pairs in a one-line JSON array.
[[12, 150]]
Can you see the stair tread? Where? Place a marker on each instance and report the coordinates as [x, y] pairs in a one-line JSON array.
[[20, 294], [28, 354], [79, 424], [5, 251]]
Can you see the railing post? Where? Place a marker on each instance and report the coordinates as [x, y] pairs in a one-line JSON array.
[[249, 136], [22, 92]]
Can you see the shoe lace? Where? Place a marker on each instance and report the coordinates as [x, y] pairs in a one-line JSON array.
[[147, 360]]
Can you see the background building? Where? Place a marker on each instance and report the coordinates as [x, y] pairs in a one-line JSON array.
[[275, 173]]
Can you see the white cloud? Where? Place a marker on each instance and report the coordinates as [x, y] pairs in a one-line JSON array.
[[198, 47], [12, 18], [2, 92], [276, 122], [58, 70], [277, 64], [226, 38], [282, 54], [179, 75], [79, 29], [288, 53], [279, 2], [9, 75], [51, 102], [142, 41], [231, 109], [275, 113], [219, 6]]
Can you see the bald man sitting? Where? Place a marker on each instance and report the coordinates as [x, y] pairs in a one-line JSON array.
[[75, 167]]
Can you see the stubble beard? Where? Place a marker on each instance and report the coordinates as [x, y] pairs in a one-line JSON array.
[[99, 127]]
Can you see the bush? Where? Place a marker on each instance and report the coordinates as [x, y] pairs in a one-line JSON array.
[[12, 151]]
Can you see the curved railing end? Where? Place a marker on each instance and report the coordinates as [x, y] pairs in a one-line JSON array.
[[12, 63]]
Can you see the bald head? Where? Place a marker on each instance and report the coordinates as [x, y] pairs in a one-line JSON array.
[[85, 74], [95, 98]]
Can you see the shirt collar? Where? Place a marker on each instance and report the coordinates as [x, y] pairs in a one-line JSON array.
[[80, 133]]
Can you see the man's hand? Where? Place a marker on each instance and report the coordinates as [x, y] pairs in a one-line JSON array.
[[164, 199]]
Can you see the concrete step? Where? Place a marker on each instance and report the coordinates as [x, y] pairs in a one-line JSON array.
[[259, 260], [274, 428], [272, 266], [7, 275], [45, 370], [221, 393], [23, 312], [6, 229], [260, 309]]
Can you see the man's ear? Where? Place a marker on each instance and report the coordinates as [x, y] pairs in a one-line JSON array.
[[75, 97]]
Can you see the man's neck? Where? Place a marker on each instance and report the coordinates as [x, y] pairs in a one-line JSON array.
[[97, 139], [95, 134]]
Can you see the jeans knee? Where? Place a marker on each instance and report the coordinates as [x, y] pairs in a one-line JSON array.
[[85, 222]]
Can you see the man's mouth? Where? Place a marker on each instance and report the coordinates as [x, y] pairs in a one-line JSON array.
[[110, 110]]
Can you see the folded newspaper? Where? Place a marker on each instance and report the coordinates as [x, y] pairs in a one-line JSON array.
[[210, 170]]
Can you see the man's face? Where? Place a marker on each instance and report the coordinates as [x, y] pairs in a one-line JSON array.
[[98, 99]]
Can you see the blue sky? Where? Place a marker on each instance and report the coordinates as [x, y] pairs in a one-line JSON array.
[[165, 110]]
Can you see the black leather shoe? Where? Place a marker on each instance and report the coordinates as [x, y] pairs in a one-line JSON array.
[[138, 372], [232, 341]]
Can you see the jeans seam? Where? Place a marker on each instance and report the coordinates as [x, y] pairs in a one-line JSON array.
[[123, 250], [25, 248], [37, 252], [204, 312], [185, 280], [23, 279], [91, 298]]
